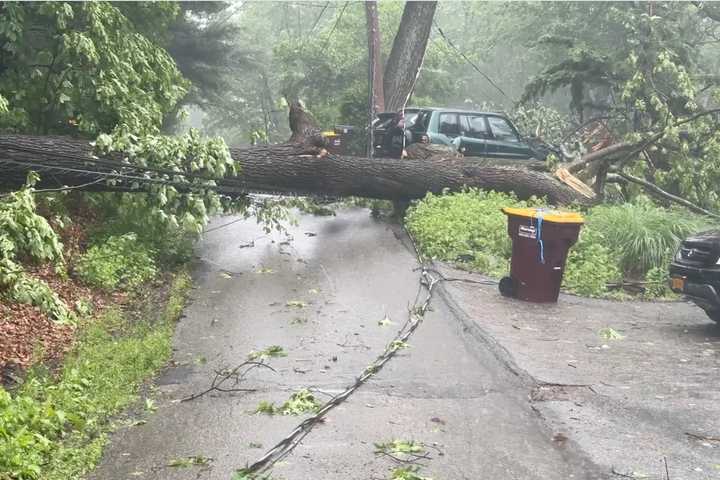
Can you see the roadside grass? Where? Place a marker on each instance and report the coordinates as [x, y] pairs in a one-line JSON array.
[[56, 425], [618, 241]]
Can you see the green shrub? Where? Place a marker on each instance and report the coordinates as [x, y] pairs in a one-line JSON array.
[[657, 283], [468, 226], [25, 235], [590, 267], [634, 240], [54, 427], [171, 242], [117, 262], [641, 235]]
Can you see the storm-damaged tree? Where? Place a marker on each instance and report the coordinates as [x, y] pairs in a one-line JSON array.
[[301, 167], [643, 80]]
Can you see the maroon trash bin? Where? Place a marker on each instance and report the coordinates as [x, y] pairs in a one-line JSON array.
[[541, 240]]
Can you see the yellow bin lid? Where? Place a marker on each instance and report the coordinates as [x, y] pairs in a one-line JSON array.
[[548, 215]]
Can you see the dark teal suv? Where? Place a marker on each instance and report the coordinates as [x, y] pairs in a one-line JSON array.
[[474, 134]]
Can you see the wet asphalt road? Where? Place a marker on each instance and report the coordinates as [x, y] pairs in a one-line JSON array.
[[345, 273]]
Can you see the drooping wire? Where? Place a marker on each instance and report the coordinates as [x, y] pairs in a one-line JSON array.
[[465, 57]]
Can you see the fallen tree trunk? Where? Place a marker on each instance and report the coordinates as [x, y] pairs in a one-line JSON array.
[[291, 168]]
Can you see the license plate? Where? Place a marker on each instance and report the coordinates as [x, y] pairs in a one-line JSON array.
[[677, 283]]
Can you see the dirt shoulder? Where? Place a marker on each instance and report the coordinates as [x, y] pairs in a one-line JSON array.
[[627, 402]]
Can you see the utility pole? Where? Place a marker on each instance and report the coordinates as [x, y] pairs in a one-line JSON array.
[[376, 97]]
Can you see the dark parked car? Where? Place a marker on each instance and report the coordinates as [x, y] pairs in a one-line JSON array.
[[695, 271], [476, 134]]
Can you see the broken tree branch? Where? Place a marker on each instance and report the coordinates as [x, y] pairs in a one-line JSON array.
[[657, 191], [237, 375]]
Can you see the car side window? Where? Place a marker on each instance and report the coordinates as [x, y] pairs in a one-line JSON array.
[[420, 124], [449, 124], [502, 130], [474, 126]]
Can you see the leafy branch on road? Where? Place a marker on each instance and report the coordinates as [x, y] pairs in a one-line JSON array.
[[408, 473], [273, 351], [404, 451], [300, 402]]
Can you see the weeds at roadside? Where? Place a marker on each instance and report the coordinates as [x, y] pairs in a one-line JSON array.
[[56, 427]]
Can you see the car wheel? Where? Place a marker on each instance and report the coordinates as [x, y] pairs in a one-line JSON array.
[[714, 315]]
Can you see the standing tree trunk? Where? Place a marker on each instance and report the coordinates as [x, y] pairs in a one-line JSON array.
[[407, 53]]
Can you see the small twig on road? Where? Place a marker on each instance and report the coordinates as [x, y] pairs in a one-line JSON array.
[[702, 437], [412, 459], [237, 374], [620, 474], [667, 472]]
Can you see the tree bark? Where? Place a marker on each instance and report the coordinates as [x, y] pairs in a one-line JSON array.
[[408, 51], [288, 168]]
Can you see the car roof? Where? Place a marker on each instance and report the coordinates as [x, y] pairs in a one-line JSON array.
[[456, 110]]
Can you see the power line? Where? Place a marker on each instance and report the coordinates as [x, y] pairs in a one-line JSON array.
[[327, 39], [317, 20], [477, 69]]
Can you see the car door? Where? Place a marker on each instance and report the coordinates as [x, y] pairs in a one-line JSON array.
[[448, 129], [474, 133], [504, 141]]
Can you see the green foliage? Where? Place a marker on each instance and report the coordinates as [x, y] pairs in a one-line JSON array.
[[549, 124], [299, 403], [175, 200], [633, 240], [273, 351], [609, 333], [23, 288], [411, 472], [657, 281], [117, 262], [400, 446], [56, 52], [641, 235], [649, 71], [26, 235], [54, 428], [467, 226], [23, 232], [268, 408], [590, 267]]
